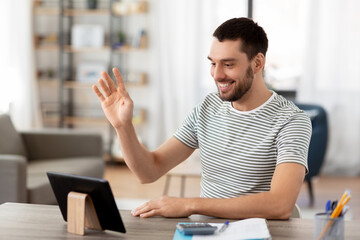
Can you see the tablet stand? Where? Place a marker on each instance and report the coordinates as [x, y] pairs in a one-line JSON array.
[[81, 213]]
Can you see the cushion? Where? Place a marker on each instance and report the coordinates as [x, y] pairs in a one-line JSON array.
[[10, 141]]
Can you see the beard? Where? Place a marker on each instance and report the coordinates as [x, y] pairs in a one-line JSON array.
[[240, 89]]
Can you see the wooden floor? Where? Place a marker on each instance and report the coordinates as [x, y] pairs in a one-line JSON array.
[[125, 185]]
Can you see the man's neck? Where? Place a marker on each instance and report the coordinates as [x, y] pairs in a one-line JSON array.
[[257, 95]]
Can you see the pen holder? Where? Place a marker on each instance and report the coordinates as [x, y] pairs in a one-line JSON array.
[[328, 228]]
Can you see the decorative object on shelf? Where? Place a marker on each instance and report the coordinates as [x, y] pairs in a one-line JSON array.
[[90, 71], [135, 78], [51, 38], [122, 37], [92, 4], [87, 35], [37, 3], [42, 40], [50, 72], [46, 74], [121, 41], [141, 41], [125, 8]]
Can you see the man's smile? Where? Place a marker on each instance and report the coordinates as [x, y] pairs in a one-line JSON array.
[[224, 87]]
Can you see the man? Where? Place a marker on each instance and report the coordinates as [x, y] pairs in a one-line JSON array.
[[253, 143]]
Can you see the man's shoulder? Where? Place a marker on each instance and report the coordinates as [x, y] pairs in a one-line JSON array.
[[285, 109], [282, 104]]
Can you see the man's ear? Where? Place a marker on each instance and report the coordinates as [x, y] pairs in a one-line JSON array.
[[258, 63]]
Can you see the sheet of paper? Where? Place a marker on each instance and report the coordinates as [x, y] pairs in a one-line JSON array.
[[251, 228]]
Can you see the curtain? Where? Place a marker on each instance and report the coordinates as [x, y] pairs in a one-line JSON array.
[[182, 36], [18, 92], [332, 78], [176, 63]]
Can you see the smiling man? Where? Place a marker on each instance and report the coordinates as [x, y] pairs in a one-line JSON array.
[[253, 143]]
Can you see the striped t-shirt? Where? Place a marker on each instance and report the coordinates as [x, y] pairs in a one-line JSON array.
[[239, 150]]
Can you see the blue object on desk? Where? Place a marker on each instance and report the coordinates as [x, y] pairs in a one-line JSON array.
[[224, 227], [328, 206], [179, 236], [196, 228]]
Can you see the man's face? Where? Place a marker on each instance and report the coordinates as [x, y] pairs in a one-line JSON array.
[[230, 69]]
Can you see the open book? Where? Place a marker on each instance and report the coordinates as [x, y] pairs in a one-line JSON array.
[[251, 228]]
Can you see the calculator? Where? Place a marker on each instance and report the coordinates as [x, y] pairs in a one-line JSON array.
[[196, 228]]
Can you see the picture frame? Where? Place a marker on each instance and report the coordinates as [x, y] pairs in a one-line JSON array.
[[87, 35], [90, 72]]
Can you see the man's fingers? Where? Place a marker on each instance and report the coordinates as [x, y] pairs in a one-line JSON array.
[[104, 87], [98, 93], [141, 209], [145, 208], [109, 81], [119, 79], [151, 213]]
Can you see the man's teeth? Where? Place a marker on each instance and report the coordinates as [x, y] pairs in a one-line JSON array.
[[224, 84]]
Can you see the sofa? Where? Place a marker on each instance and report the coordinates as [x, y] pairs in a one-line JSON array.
[[25, 157]]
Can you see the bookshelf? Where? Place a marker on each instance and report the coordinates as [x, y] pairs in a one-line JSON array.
[[66, 100]]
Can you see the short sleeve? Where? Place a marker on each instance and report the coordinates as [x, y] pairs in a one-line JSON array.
[[293, 140], [187, 132]]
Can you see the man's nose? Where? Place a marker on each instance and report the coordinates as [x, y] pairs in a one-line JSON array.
[[218, 73]]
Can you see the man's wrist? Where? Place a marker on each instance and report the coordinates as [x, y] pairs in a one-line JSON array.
[[124, 127], [192, 205]]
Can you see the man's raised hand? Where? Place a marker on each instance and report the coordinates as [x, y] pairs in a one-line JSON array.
[[115, 100]]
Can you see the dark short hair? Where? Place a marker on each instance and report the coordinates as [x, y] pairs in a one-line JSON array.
[[253, 37]]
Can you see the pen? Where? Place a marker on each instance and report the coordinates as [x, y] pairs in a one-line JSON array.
[[344, 211], [224, 227], [328, 206], [333, 205]]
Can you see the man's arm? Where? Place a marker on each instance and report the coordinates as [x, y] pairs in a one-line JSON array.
[[118, 108], [149, 166], [277, 203]]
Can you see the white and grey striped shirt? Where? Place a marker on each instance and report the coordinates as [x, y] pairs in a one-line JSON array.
[[240, 150]]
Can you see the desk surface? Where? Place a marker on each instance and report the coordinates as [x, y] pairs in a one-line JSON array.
[[29, 221]]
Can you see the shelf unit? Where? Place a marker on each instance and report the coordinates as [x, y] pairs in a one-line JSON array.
[[64, 109]]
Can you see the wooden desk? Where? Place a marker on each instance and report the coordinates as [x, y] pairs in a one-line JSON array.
[[29, 221]]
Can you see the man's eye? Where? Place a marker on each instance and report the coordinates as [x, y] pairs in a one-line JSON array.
[[212, 64], [229, 65]]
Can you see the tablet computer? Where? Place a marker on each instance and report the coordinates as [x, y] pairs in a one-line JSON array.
[[98, 189]]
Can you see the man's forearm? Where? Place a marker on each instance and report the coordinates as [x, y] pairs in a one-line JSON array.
[[277, 203], [147, 165], [265, 205], [137, 157]]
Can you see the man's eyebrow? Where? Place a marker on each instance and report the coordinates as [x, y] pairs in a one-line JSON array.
[[228, 60], [224, 59]]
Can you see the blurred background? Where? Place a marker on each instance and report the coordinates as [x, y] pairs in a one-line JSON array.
[[52, 51]]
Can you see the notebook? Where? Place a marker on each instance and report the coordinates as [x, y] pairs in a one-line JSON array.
[[251, 228]]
